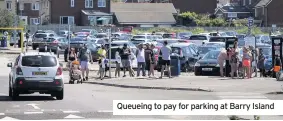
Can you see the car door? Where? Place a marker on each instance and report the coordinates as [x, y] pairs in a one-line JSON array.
[[13, 69]]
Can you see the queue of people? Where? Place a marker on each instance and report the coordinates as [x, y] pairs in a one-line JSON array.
[[124, 56], [245, 67]]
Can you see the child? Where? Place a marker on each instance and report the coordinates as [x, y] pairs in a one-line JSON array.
[[102, 68], [118, 62]]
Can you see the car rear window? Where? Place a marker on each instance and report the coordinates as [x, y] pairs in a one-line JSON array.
[[198, 38], [176, 50], [40, 35], [39, 61], [139, 37]]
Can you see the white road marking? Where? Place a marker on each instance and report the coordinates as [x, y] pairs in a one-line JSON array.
[[105, 111], [8, 118], [33, 112], [71, 111], [243, 97], [34, 106], [2, 114], [73, 117]]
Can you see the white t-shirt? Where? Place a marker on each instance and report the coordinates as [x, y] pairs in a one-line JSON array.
[[117, 57], [166, 52], [140, 55]]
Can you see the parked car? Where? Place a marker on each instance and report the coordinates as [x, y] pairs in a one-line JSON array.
[[208, 64], [14, 39], [76, 43], [114, 49], [184, 35], [98, 41], [231, 33], [39, 38], [240, 36], [202, 50], [102, 35], [54, 44], [94, 51], [92, 32], [188, 56], [199, 39], [141, 39], [264, 38], [222, 34], [64, 33]]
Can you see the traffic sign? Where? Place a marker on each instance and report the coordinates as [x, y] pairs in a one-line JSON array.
[[250, 22]]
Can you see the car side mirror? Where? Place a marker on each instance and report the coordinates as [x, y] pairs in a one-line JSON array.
[[9, 64], [61, 64]]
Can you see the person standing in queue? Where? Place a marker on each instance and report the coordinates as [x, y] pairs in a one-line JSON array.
[[125, 54], [140, 54], [84, 58], [102, 55], [118, 62], [147, 58], [277, 64], [152, 62], [166, 59], [260, 63], [247, 62], [222, 57]]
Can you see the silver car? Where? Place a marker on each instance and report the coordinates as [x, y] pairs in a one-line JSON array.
[[38, 38]]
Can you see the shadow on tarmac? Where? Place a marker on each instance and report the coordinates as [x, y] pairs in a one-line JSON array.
[[27, 98]]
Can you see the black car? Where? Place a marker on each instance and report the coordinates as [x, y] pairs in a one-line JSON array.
[[188, 56], [208, 64], [53, 44]]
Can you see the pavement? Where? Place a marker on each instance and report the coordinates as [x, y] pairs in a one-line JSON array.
[[93, 99]]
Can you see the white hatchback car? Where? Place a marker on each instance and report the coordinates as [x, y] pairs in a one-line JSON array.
[[36, 72]]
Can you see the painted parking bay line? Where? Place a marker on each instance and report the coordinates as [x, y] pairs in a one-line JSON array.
[[33, 112]]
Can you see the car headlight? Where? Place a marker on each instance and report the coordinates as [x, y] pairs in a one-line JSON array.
[[197, 64], [217, 65]]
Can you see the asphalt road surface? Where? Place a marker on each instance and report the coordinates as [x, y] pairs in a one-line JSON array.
[[90, 101]]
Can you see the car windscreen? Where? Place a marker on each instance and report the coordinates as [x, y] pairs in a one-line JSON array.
[[216, 39], [39, 61], [176, 50], [62, 32], [211, 55], [184, 34], [101, 36], [40, 36], [230, 33], [198, 38], [204, 50], [168, 36]]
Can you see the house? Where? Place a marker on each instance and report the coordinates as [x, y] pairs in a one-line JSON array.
[[196, 6], [10, 5], [144, 14], [34, 12], [233, 12], [81, 12], [269, 11]]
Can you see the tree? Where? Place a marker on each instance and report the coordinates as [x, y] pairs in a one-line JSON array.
[[6, 18]]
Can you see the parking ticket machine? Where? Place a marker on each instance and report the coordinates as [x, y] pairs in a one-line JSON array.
[[229, 43], [276, 50]]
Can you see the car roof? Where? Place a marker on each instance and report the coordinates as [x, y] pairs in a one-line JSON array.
[[38, 53], [180, 44], [44, 33]]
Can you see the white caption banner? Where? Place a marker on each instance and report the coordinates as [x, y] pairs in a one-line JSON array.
[[197, 107]]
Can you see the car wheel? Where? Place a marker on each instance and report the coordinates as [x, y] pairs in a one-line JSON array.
[[60, 95], [15, 94]]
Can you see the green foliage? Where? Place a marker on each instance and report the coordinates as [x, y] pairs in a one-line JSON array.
[[203, 19], [255, 30], [197, 30], [6, 18]]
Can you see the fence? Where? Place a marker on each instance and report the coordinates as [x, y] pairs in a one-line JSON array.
[[56, 28]]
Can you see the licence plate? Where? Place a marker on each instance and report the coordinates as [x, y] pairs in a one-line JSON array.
[[207, 69], [39, 73]]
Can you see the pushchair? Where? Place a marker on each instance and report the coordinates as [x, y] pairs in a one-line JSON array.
[[75, 74]]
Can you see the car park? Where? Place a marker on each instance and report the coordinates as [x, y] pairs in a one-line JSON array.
[[98, 41], [141, 39], [263, 38], [102, 35], [208, 64], [39, 38], [94, 51], [222, 34], [64, 33], [46, 73], [231, 33], [15, 39], [76, 43]]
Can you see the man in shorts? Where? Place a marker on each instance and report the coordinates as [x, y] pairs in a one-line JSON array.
[[85, 57], [125, 54], [166, 60]]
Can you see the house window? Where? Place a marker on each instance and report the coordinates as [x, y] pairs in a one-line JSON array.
[[72, 3], [88, 3], [67, 20], [9, 5], [21, 6], [101, 3], [232, 15], [35, 6], [250, 2], [34, 21]]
